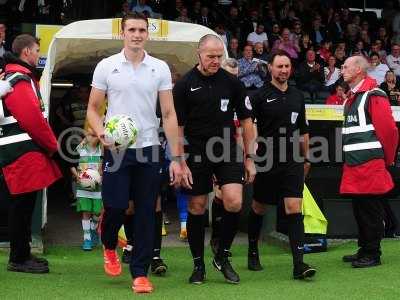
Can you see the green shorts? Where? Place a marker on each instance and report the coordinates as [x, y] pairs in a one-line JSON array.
[[90, 205]]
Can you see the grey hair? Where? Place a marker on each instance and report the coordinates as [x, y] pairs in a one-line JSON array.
[[205, 38], [361, 62], [229, 62]]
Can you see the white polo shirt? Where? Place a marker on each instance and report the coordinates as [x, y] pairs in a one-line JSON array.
[[134, 92]]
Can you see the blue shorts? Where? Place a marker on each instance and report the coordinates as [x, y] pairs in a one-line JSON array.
[[135, 174]]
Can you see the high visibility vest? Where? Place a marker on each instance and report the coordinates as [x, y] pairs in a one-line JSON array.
[[14, 141], [360, 143]]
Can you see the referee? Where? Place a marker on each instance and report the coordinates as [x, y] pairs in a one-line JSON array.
[[280, 113], [206, 99]]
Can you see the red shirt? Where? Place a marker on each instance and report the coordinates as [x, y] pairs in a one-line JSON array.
[[334, 100], [372, 177], [32, 171]]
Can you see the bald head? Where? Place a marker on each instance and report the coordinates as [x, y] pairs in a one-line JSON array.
[[360, 62], [209, 39], [354, 69]]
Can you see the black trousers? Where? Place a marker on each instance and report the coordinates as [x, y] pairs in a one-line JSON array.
[[19, 225], [391, 221], [369, 214], [20, 211]]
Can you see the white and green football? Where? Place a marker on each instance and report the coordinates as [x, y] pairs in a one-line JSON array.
[[121, 130]]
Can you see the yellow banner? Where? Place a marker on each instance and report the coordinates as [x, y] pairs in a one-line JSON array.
[[45, 33], [157, 29], [328, 114]]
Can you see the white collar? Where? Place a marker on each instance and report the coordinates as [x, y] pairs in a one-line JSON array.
[[311, 64], [124, 60], [357, 87]]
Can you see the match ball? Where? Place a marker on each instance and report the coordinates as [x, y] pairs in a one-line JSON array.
[[89, 179], [121, 131]]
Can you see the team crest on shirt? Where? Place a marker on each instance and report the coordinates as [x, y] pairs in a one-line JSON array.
[[247, 103], [224, 104], [294, 117]]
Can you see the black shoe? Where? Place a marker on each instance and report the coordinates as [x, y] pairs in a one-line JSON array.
[[214, 243], [39, 260], [158, 267], [366, 262], [28, 266], [391, 235], [224, 266], [350, 258], [126, 256], [166, 219], [198, 275], [253, 262], [303, 271]]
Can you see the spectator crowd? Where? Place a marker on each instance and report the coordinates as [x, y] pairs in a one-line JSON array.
[[317, 35]]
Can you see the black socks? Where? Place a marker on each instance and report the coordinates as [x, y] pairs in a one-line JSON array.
[[196, 232], [296, 237]]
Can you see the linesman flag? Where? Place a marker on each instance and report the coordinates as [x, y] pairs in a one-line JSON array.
[[314, 220]]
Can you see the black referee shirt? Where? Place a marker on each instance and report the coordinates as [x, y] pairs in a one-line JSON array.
[[279, 114], [205, 105]]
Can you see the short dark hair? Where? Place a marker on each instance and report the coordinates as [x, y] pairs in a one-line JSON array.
[[219, 25], [278, 53], [133, 16], [344, 85], [374, 54], [23, 41]]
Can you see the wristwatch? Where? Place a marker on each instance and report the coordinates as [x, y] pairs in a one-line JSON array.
[[307, 161], [177, 158], [251, 156]]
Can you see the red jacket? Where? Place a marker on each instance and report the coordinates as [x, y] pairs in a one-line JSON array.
[[334, 100], [32, 171], [372, 177]]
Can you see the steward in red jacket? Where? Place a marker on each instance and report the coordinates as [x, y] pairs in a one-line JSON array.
[[370, 139], [26, 163], [26, 146]]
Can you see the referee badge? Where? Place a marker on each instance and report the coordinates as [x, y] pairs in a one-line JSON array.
[[224, 104], [248, 103], [294, 117]]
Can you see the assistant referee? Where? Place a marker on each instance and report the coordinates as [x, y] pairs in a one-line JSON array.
[[282, 160]]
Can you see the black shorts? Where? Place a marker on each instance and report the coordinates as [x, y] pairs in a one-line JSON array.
[[230, 170], [283, 181]]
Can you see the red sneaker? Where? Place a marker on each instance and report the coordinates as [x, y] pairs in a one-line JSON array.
[[112, 266], [142, 285]]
